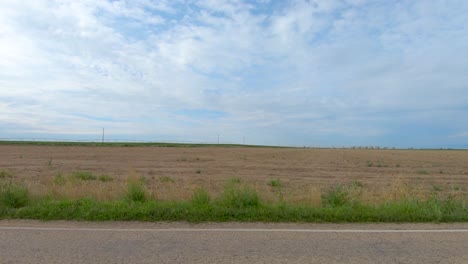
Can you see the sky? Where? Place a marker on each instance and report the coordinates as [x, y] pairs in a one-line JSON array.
[[318, 73]]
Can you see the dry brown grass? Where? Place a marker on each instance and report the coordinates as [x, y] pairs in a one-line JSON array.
[[305, 174], [177, 190], [75, 188], [310, 195], [98, 190]]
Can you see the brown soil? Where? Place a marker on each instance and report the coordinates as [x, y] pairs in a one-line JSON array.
[[175, 172]]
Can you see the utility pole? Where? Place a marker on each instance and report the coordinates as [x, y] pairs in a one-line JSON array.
[[243, 140], [218, 139], [102, 136]]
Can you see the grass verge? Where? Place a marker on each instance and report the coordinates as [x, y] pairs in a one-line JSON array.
[[150, 210], [236, 203], [13, 196]]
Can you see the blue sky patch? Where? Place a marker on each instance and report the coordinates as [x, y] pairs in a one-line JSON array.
[[298, 72]]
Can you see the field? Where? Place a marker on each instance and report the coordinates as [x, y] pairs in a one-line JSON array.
[[173, 173]]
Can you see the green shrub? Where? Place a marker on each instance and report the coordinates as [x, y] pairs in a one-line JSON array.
[[239, 197], [357, 184], [235, 180], [201, 197], [84, 176], [275, 183], [166, 179], [5, 174], [143, 180], [136, 192], [105, 178], [13, 195], [336, 197], [410, 210], [59, 179]]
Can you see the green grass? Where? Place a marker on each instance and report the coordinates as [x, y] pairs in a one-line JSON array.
[[136, 192], [59, 180], [437, 188], [201, 197], [276, 183], [105, 178], [357, 184], [234, 180], [237, 202], [151, 210], [382, 165], [84, 176], [13, 195], [336, 197], [166, 179], [237, 196], [5, 174]]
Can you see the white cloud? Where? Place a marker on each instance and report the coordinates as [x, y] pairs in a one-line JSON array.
[[460, 135], [338, 67]]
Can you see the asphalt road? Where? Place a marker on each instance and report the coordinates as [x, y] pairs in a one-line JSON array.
[[133, 242]]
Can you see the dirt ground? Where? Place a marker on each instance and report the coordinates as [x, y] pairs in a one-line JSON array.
[[175, 172]]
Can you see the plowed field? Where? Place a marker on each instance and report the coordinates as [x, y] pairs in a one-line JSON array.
[[172, 173]]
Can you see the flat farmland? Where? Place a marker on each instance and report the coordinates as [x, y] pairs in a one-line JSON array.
[[172, 173]]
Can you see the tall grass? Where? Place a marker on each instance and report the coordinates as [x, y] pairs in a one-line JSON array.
[[136, 192], [13, 195], [201, 197], [237, 201], [337, 197], [151, 210], [105, 178], [236, 195], [5, 174], [84, 176]]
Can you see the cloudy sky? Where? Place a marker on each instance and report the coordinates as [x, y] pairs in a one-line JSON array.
[[313, 73]]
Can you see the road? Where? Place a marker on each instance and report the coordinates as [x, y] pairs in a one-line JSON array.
[[134, 242]]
